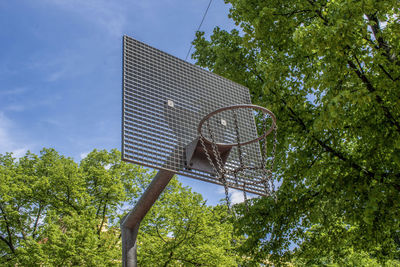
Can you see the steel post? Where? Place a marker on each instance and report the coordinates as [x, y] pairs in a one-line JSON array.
[[131, 222], [129, 247]]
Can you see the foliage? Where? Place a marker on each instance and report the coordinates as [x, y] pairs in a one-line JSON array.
[[55, 212], [181, 230], [351, 259], [330, 71]]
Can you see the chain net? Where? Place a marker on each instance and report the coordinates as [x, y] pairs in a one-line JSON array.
[[266, 166]]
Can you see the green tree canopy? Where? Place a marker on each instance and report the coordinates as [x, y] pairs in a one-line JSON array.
[[181, 230], [330, 71], [55, 212]]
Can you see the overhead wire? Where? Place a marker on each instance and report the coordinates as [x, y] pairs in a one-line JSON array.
[[201, 23]]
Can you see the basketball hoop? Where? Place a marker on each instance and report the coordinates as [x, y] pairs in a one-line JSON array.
[[162, 128], [212, 149]]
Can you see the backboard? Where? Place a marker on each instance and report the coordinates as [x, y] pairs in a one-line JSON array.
[[165, 98]]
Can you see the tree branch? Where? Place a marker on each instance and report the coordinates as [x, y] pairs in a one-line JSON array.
[[24, 235], [104, 216], [292, 13], [98, 209], [376, 31], [9, 242], [188, 261], [169, 258], [388, 74], [372, 89], [319, 13], [36, 221], [68, 203], [323, 144], [159, 235]]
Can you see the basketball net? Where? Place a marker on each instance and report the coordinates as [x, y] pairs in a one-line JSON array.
[[222, 172]]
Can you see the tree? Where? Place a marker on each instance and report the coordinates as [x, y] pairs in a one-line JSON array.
[[181, 230], [330, 71], [55, 212]]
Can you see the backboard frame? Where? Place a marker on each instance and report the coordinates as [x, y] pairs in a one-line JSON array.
[[129, 121]]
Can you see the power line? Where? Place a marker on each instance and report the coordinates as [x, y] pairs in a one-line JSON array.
[[201, 23]]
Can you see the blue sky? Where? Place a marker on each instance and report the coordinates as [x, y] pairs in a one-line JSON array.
[[60, 69]]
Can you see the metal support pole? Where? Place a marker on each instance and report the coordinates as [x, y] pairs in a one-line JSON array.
[[129, 252], [131, 222]]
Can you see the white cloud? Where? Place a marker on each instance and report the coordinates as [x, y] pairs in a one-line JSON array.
[[14, 91], [221, 190], [54, 76], [20, 152], [66, 64], [8, 140], [15, 107], [108, 15], [84, 155], [29, 104], [235, 196]]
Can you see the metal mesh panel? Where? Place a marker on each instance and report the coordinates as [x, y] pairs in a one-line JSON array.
[[164, 99]]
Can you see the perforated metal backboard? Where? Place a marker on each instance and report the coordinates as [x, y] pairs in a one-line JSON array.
[[164, 99]]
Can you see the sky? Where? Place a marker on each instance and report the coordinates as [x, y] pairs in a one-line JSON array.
[[61, 69]]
